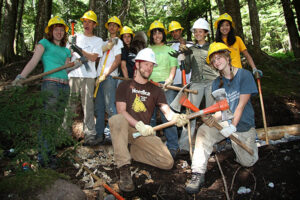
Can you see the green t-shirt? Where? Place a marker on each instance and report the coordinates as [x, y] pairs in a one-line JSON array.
[[164, 63], [53, 57]]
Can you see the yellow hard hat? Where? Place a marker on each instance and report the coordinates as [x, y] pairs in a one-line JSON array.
[[156, 24], [56, 20], [174, 25], [224, 16], [126, 29], [113, 19], [215, 47], [91, 15]]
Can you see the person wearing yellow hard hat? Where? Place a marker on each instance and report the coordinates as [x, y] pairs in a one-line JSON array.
[[107, 69], [237, 85], [202, 75], [164, 73], [128, 54], [225, 33], [82, 80], [176, 31], [54, 54]]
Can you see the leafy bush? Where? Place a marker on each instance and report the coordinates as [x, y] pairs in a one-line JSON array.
[[289, 56], [24, 120]]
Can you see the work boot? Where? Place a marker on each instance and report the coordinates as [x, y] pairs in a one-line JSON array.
[[195, 183], [92, 140], [174, 152], [126, 183]]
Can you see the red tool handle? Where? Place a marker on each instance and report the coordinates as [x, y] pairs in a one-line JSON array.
[[73, 27]]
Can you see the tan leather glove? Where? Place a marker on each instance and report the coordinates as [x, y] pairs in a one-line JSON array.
[[108, 46], [182, 47], [181, 119], [209, 120], [168, 82], [145, 130], [100, 79]]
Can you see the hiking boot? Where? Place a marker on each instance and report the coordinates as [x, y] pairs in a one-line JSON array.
[[195, 183], [92, 140], [126, 183]]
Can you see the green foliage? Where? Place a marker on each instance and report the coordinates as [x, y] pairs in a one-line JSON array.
[[25, 184], [24, 120], [288, 56]]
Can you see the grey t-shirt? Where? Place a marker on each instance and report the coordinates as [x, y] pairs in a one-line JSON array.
[[242, 83]]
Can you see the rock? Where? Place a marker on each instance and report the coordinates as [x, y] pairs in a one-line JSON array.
[[62, 190]]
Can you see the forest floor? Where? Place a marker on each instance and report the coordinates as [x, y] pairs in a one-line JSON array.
[[276, 175]]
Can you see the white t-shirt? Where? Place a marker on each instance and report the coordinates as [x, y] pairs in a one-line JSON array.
[[178, 76], [91, 45], [116, 50]]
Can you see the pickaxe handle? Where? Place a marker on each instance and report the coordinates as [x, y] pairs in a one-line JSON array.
[[171, 87], [191, 106], [219, 106], [32, 78], [101, 73]]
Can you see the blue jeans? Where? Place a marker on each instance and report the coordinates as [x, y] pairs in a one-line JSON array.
[[57, 100], [105, 102], [170, 132]]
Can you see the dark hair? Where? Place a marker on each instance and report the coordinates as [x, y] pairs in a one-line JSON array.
[[195, 41], [125, 46], [49, 35], [164, 40], [231, 35]]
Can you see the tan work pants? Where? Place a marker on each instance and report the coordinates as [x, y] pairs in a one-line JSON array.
[[149, 150], [207, 137], [84, 88]]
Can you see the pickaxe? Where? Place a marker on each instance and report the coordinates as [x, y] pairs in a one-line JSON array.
[[171, 87], [185, 102], [219, 106]]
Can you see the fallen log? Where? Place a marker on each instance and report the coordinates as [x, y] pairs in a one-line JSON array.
[[278, 132]]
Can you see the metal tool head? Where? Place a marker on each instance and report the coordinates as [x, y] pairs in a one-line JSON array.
[[219, 95], [175, 105], [115, 40]]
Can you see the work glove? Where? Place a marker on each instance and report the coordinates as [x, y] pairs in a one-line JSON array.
[[17, 80], [100, 79], [209, 120], [228, 130], [168, 82], [72, 39], [183, 47], [259, 72], [181, 57], [110, 44], [181, 119], [144, 130]]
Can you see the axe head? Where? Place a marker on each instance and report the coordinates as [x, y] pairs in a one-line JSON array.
[[219, 95], [175, 105]]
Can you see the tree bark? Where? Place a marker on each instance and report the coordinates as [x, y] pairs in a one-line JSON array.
[[43, 15], [291, 26], [296, 4], [20, 44], [145, 10], [1, 5], [211, 23], [254, 23], [220, 6], [7, 37], [124, 10], [101, 10], [232, 7]]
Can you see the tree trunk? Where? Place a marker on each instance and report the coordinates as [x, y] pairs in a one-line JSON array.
[[43, 15], [92, 4], [124, 10], [145, 10], [291, 26], [232, 7], [7, 37], [1, 6], [220, 6], [101, 10], [254, 22], [211, 23], [296, 4], [20, 44]]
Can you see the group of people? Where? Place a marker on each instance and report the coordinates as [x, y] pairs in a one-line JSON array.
[[132, 105]]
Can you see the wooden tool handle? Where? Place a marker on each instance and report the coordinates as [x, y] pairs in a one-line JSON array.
[[236, 140]]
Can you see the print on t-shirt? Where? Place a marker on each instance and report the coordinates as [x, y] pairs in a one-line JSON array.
[[138, 105]]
